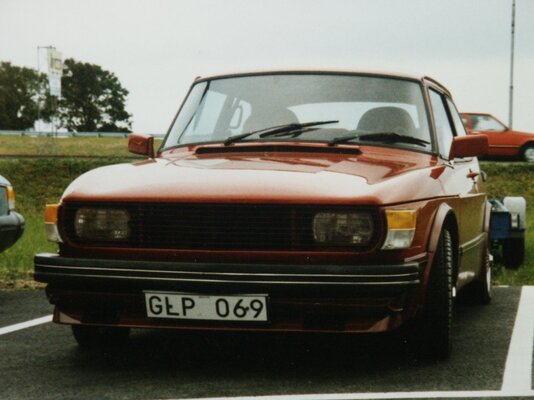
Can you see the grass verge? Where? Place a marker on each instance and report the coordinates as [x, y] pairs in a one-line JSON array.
[[514, 179], [65, 146], [37, 181]]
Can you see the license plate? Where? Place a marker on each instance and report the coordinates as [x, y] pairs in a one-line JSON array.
[[241, 307]]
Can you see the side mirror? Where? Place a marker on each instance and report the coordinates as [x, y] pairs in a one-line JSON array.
[[141, 144], [469, 146]]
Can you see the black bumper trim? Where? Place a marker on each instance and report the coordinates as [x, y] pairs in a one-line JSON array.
[[51, 268]]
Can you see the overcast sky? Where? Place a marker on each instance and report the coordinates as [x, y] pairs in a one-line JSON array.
[[157, 48]]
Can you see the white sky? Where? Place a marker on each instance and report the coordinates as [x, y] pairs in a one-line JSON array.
[[157, 48]]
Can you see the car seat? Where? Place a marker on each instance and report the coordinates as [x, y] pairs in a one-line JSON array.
[[269, 119], [387, 119]]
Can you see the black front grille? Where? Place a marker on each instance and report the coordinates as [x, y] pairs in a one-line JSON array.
[[208, 226]]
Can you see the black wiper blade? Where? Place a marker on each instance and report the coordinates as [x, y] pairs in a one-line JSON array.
[[343, 139], [279, 130], [391, 137]]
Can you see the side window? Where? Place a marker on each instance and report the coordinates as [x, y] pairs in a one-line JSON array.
[[459, 126], [486, 123], [443, 127]]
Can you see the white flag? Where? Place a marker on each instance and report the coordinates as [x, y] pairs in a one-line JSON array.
[[54, 81]]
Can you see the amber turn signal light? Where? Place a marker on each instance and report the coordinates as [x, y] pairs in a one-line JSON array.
[[52, 232], [401, 229], [10, 197]]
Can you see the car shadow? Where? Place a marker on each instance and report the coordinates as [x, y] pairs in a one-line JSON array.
[[294, 354]]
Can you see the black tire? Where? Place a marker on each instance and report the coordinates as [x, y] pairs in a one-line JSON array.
[[91, 337], [513, 252], [437, 319]]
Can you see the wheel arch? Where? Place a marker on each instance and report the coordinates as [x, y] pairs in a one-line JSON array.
[[529, 143], [445, 218]]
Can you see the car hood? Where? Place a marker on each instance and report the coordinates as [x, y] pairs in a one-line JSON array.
[[376, 176]]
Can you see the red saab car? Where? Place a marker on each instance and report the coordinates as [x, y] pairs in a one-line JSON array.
[[308, 201], [503, 141]]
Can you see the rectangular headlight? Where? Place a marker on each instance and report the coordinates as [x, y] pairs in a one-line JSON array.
[[102, 224], [343, 228]]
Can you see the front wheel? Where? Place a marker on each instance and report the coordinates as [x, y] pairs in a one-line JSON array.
[[100, 336], [528, 153], [437, 319]]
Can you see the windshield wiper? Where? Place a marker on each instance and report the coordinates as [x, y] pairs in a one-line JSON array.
[[279, 130], [388, 137]]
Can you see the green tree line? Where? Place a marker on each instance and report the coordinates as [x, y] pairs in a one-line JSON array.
[[92, 99]]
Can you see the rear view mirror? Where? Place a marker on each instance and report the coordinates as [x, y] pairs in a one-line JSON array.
[[141, 144], [469, 146]]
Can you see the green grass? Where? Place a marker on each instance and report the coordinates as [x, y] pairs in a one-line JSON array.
[[16, 262], [72, 146], [38, 181]]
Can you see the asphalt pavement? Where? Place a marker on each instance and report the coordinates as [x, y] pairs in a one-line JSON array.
[[44, 362]]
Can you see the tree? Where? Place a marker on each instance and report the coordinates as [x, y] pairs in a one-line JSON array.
[[92, 99], [21, 89]]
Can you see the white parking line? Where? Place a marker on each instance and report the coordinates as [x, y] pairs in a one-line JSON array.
[[518, 370], [24, 325], [517, 379], [385, 395]]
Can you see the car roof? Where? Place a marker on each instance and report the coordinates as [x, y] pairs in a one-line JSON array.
[[385, 74]]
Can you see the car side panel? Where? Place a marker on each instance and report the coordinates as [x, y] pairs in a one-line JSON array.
[[469, 209], [502, 143]]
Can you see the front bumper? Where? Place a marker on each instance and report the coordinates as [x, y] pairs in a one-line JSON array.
[[350, 298], [209, 277], [11, 229]]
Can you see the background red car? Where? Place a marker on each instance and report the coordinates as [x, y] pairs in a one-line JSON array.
[[503, 141]]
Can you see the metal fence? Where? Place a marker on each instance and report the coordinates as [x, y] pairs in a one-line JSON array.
[[72, 134]]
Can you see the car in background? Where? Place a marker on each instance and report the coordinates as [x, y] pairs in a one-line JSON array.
[[11, 222], [290, 201], [503, 141]]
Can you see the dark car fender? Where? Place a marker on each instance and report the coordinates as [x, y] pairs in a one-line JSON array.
[[11, 229], [445, 217]]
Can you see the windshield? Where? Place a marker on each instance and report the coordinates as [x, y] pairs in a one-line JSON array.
[[217, 110]]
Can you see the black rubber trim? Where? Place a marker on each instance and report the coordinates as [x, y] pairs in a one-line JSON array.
[[52, 268], [278, 149]]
